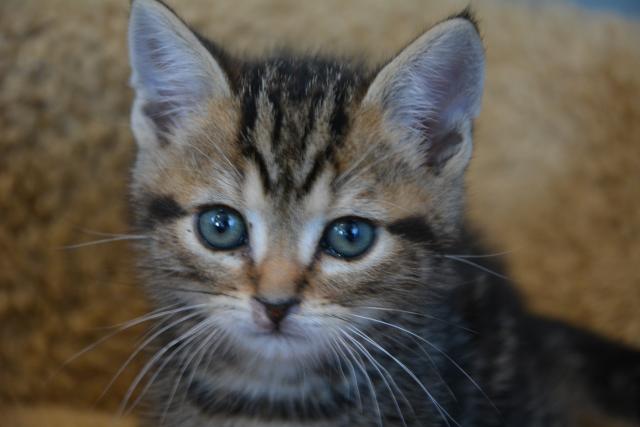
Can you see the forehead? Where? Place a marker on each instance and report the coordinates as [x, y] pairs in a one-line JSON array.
[[294, 117], [294, 140]]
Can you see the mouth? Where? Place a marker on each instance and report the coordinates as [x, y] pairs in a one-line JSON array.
[[289, 332], [286, 342], [280, 346], [287, 329], [297, 338]]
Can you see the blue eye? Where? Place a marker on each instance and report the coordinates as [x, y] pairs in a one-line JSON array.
[[222, 228], [348, 237]]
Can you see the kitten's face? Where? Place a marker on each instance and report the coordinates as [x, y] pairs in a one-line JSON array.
[[294, 203]]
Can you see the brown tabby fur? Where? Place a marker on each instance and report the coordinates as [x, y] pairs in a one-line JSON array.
[[560, 269], [292, 143]]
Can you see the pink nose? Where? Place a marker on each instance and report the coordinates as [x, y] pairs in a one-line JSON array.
[[277, 310]]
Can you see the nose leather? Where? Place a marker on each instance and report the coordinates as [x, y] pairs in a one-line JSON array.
[[277, 310]]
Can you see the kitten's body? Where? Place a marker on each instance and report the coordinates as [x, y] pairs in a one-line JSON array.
[[412, 331]]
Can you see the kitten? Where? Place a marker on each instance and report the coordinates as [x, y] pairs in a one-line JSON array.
[[304, 217]]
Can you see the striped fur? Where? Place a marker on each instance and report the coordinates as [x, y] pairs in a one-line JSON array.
[[407, 334]]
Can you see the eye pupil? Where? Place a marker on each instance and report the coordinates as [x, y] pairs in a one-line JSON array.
[[221, 222], [353, 232], [349, 231]]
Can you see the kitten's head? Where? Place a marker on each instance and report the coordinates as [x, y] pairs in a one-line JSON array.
[[289, 200]]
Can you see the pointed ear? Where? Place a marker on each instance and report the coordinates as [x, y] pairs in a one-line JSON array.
[[173, 74], [431, 92]]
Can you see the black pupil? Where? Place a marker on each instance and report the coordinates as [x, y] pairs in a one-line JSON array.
[[350, 231], [221, 221]]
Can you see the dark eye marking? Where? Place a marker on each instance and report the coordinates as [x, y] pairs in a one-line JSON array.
[[413, 228], [162, 209]]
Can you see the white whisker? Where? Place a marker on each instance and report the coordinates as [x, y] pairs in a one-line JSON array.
[[430, 344], [435, 367], [345, 176], [426, 316], [206, 341], [378, 367], [493, 255], [352, 372], [478, 266], [161, 312], [234, 169], [360, 364], [442, 411], [158, 371], [141, 347], [103, 241], [194, 330], [104, 234]]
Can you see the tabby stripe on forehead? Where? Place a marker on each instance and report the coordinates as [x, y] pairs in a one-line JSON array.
[[253, 154], [321, 159], [339, 119], [248, 124], [274, 99], [161, 209], [339, 123], [249, 104]]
